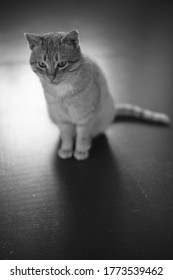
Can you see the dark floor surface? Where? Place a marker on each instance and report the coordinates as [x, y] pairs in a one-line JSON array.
[[119, 203]]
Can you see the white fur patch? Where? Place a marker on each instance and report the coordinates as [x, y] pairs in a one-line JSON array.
[[53, 91], [63, 88]]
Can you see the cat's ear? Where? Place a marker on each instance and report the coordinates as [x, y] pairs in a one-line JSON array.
[[33, 40], [72, 37]]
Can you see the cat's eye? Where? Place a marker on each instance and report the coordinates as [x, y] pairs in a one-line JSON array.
[[42, 65], [62, 64]]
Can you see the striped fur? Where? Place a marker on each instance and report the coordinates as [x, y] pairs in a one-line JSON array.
[[129, 110], [77, 94]]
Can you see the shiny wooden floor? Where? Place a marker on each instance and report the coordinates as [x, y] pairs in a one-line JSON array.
[[119, 203]]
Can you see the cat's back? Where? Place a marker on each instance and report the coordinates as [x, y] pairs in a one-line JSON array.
[[94, 66]]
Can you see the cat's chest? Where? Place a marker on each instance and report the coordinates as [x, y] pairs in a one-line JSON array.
[[55, 92], [67, 104]]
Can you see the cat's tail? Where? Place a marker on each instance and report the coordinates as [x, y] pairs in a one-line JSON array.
[[137, 112]]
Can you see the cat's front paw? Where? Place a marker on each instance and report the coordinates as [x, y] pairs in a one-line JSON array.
[[81, 155], [64, 154]]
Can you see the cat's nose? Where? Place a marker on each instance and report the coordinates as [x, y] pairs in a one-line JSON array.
[[51, 77]]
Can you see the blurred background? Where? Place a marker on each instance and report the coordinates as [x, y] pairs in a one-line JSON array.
[[132, 40], [118, 204]]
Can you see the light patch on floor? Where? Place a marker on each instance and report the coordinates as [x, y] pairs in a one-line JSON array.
[[23, 112]]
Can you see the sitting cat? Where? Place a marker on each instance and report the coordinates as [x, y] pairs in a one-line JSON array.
[[76, 92]]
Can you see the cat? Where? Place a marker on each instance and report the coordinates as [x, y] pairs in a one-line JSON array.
[[76, 92]]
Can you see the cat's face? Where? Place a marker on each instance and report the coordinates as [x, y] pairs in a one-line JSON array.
[[54, 56]]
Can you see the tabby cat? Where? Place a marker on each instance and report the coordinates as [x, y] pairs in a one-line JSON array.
[[76, 92]]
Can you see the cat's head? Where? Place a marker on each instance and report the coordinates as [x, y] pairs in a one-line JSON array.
[[54, 56]]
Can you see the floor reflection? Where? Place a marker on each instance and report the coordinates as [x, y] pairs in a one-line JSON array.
[[24, 118]]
